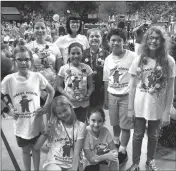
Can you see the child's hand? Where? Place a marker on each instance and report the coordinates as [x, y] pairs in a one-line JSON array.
[[42, 110], [131, 115], [106, 105], [85, 98], [165, 119], [112, 155]]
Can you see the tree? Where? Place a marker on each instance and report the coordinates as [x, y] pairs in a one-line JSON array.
[[83, 7]]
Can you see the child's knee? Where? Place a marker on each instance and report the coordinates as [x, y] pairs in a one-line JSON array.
[[53, 167], [114, 165]]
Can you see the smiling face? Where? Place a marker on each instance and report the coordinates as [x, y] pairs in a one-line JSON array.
[[40, 30], [75, 55], [116, 43], [95, 38], [154, 41], [95, 121], [64, 112], [74, 25], [23, 61]]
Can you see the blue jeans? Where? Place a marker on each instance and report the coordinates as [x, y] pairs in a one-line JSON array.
[[138, 135]]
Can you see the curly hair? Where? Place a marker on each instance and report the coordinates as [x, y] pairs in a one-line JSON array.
[[162, 52]]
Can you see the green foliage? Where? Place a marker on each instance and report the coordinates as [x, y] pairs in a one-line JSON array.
[[83, 7]]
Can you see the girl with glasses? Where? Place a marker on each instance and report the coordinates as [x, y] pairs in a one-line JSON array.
[[24, 89]]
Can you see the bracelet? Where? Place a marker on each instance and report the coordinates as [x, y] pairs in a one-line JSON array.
[[130, 109]]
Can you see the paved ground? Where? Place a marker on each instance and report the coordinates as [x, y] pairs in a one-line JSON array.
[[165, 158]]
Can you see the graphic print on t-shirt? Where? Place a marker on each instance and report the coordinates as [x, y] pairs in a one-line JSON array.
[[116, 76], [66, 148], [77, 84], [153, 81], [101, 148], [25, 103]]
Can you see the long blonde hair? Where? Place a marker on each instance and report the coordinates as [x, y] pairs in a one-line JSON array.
[[54, 120]]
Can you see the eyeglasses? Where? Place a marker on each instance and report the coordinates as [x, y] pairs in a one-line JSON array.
[[74, 21], [20, 60], [151, 38]]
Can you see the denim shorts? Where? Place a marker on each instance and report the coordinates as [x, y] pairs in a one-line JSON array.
[[118, 110], [24, 142]]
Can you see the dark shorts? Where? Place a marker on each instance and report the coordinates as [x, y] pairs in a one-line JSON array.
[[24, 142]]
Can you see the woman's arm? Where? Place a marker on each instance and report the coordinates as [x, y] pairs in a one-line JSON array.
[[76, 156], [132, 91]]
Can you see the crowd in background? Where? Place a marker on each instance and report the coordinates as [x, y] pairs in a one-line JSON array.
[[52, 49]]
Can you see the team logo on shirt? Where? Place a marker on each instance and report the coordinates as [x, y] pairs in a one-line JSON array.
[[116, 76], [102, 148], [25, 103]]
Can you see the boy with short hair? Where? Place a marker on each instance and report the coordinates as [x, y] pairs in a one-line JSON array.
[[116, 79]]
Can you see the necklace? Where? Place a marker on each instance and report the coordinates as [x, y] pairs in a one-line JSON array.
[[72, 143]]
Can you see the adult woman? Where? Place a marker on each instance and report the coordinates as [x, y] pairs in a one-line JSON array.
[[45, 54], [73, 26], [94, 57]]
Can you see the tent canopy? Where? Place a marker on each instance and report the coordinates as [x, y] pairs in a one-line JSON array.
[[9, 10]]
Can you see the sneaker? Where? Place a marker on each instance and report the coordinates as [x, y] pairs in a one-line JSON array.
[[122, 158], [134, 167], [150, 164]]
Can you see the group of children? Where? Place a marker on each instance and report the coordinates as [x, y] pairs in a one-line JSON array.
[[137, 89]]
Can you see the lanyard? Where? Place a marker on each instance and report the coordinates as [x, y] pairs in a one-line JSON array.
[[72, 144]]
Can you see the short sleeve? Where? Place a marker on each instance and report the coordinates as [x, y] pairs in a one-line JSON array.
[[56, 51], [43, 81], [134, 66], [62, 72], [86, 43], [81, 131], [4, 85], [105, 70], [89, 70], [86, 141]]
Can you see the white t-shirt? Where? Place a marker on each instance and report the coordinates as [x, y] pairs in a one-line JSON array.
[[115, 71], [25, 98], [137, 48], [150, 105], [97, 145], [64, 42], [45, 62], [75, 79], [60, 151]]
